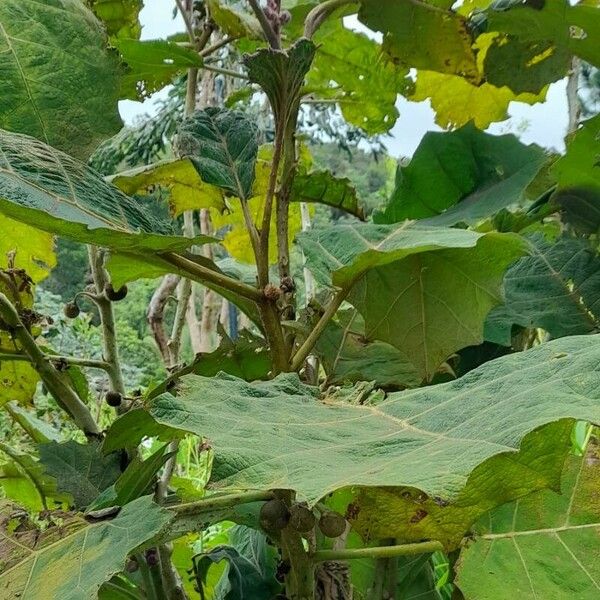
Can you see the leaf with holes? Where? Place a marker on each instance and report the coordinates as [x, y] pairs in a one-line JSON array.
[[423, 35], [59, 82], [88, 553], [545, 545], [349, 70]]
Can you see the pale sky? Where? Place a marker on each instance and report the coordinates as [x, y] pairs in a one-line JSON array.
[[544, 123]]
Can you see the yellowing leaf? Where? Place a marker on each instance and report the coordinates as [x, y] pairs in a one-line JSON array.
[[186, 189], [457, 102], [236, 240], [33, 250]]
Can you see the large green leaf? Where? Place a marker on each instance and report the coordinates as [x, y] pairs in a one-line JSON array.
[[223, 145], [462, 176], [59, 83], [80, 470], [186, 189], [22, 479], [443, 282], [150, 65], [348, 355], [578, 177], [572, 28], [556, 287], [545, 545], [340, 255], [72, 560], [45, 188], [423, 35], [120, 17], [280, 434], [323, 187], [349, 69], [524, 66]]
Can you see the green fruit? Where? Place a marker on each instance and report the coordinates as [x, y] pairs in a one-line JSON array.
[[71, 310], [301, 518], [113, 399], [274, 515], [332, 524], [115, 296]]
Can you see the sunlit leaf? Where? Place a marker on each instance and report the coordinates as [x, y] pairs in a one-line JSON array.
[[462, 176], [120, 17], [186, 189], [423, 35]]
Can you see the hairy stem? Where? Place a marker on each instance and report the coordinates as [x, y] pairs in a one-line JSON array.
[[54, 380], [57, 360], [202, 274], [319, 14], [378, 551], [312, 338], [270, 34], [107, 319]]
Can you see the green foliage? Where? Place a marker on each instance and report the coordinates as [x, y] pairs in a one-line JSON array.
[[80, 470], [88, 553], [152, 64], [545, 544], [60, 82], [222, 145], [46, 188], [462, 176], [555, 288]]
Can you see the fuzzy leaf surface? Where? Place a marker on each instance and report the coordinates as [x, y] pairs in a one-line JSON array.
[[545, 545], [281, 434], [88, 554], [59, 82], [45, 188]]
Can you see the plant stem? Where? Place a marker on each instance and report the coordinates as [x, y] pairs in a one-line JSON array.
[[378, 551], [217, 502], [57, 359], [107, 319], [270, 35], [305, 349], [187, 19], [218, 45], [300, 581], [319, 13], [228, 72], [203, 274], [54, 380]]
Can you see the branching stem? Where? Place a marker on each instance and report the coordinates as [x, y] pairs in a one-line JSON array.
[[378, 551]]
